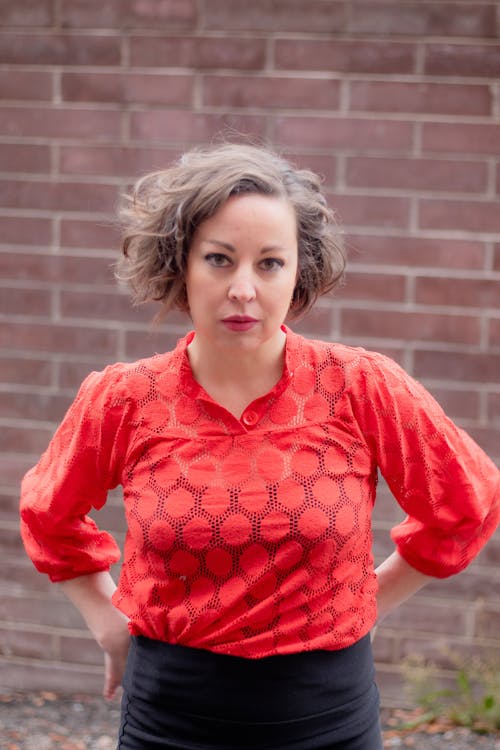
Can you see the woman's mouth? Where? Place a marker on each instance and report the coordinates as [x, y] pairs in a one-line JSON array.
[[239, 322]]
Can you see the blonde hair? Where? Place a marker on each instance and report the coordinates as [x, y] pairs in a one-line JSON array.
[[164, 209]]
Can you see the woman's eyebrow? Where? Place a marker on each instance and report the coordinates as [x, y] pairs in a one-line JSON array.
[[232, 249], [225, 245]]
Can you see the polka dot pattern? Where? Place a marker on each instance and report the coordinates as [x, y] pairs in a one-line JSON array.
[[250, 537]]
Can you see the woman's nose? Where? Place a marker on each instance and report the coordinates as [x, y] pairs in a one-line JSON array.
[[242, 287]]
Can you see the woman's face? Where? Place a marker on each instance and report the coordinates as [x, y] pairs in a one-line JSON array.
[[241, 272]]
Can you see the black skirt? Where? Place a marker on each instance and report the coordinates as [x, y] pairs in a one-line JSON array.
[[180, 698]]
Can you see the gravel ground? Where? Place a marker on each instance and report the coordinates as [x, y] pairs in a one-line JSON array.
[[46, 721]]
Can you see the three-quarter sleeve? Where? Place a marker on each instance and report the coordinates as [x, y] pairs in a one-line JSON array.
[[81, 464], [441, 478]]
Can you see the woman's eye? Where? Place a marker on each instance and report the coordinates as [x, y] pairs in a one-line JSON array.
[[272, 264], [217, 259]]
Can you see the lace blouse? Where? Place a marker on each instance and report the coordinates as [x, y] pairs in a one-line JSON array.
[[252, 536]]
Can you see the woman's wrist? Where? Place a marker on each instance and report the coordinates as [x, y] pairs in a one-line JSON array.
[[91, 594], [397, 582]]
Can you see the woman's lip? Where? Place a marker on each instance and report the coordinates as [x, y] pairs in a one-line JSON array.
[[239, 319], [239, 323]]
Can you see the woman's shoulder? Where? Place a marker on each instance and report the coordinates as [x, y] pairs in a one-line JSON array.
[[319, 352], [350, 369], [131, 380]]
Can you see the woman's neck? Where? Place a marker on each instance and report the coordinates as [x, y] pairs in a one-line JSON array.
[[234, 378]]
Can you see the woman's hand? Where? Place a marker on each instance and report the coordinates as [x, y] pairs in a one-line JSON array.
[[91, 594], [115, 658]]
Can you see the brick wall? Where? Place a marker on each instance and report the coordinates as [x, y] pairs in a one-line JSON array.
[[396, 103]]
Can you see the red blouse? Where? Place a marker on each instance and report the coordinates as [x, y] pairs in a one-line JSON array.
[[253, 537]]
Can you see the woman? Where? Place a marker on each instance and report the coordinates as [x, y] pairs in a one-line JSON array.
[[248, 458]]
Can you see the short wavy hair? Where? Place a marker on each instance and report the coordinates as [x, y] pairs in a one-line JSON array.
[[164, 209]]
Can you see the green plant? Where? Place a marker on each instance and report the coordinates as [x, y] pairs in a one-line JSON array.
[[472, 700]]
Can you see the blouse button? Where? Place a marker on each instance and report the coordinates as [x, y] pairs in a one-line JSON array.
[[250, 418]]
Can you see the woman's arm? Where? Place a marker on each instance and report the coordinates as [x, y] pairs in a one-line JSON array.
[[91, 595], [397, 581]]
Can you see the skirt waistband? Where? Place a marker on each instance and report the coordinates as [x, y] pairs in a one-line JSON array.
[[271, 689]]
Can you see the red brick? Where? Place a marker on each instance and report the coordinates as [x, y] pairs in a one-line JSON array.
[[83, 650], [25, 371], [18, 570], [271, 92], [45, 610], [33, 675], [487, 622], [45, 407], [9, 505], [57, 338], [340, 132], [488, 438], [458, 404], [25, 230], [60, 122], [344, 56], [90, 235], [60, 49], [13, 468], [57, 196], [107, 306], [24, 158], [25, 85], [383, 647], [69, 269], [171, 14], [490, 554], [94, 270], [140, 344], [322, 164], [81, 14], [460, 137], [481, 60], [496, 257], [24, 439], [414, 326], [417, 252], [317, 323], [280, 16], [128, 88], [114, 160], [423, 19], [471, 584], [391, 684], [436, 617], [446, 652], [493, 407], [370, 210], [494, 331], [466, 215], [25, 301], [27, 643], [417, 174], [30, 13], [71, 374], [182, 126], [480, 367], [201, 53], [422, 98], [10, 539], [458, 292], [372, 286]]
